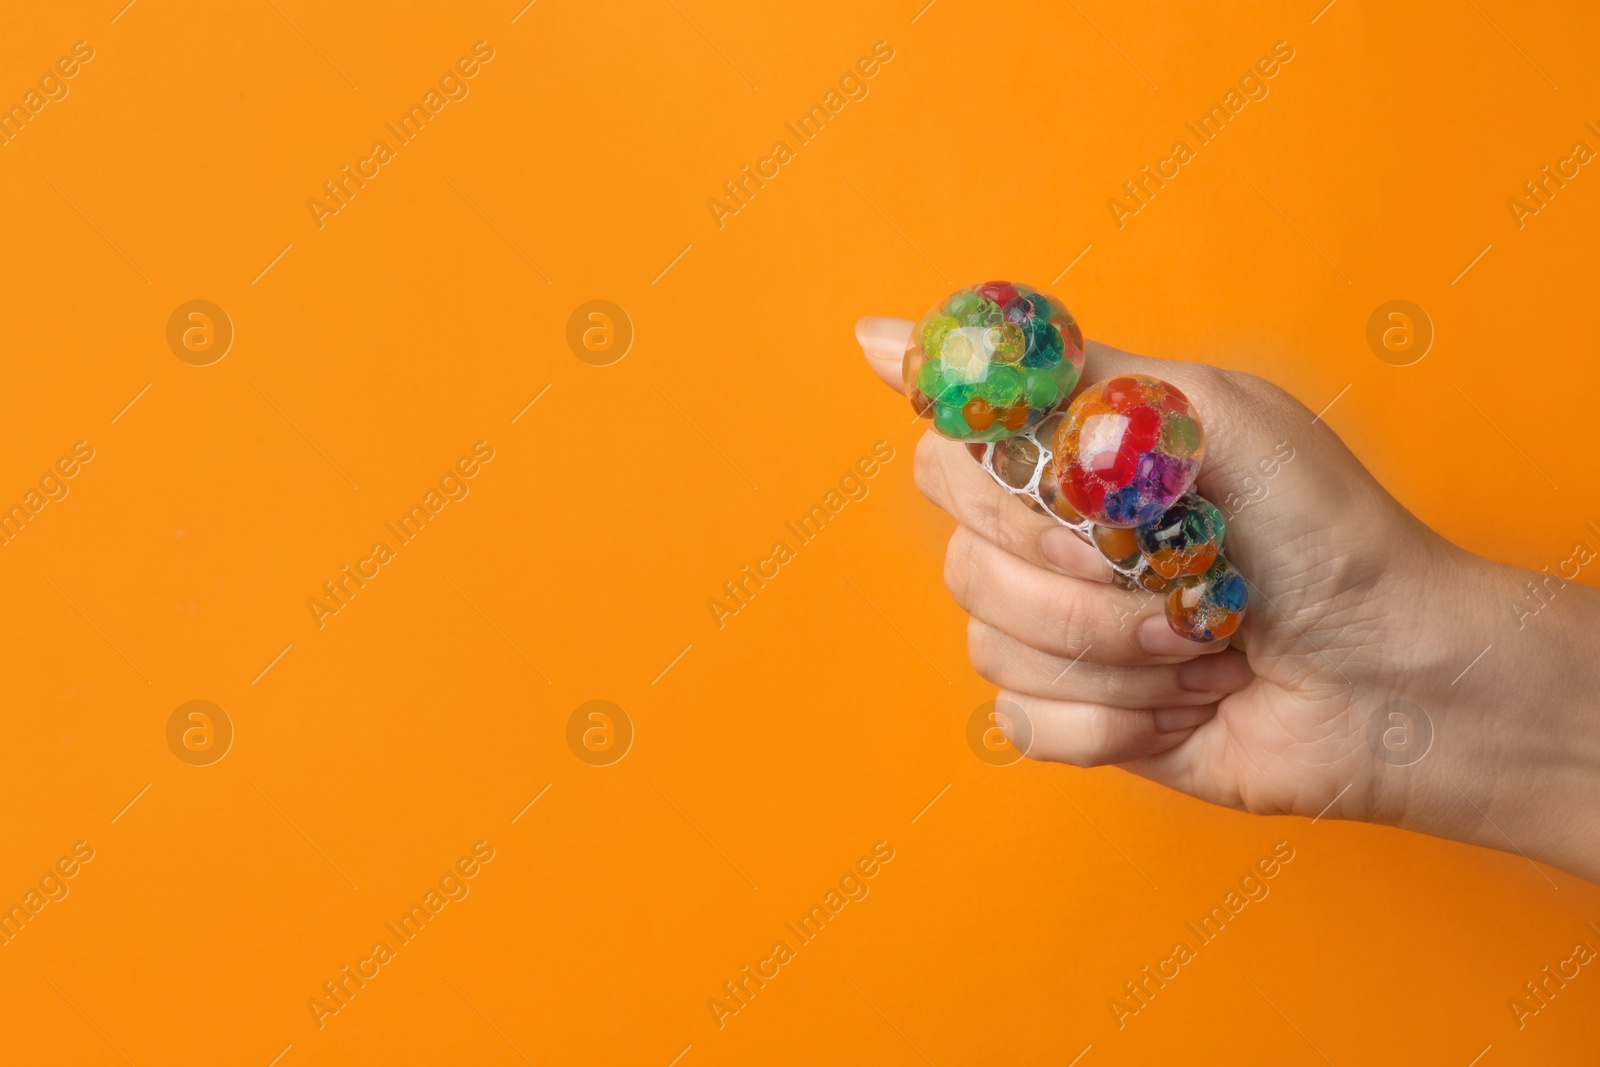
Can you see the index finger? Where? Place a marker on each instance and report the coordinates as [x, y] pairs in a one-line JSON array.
[[947, 476], [884, 341]]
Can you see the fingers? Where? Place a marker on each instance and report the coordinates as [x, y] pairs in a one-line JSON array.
[[1088, 735], [884, 341], [1246, 419], [1092, 673], [1013, 665], [1059, 614], [947, 476], [1243, 415]]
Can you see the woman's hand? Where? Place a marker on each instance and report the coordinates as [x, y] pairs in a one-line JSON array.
[[1381, 673]]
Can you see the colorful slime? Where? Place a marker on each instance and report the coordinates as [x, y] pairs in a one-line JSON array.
[[1185, 540], [993, 365], [1208, 607], [1128, 448], [992, 360]]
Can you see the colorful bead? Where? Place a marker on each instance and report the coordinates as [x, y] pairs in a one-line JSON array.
[[1002, 386], [1125, 451], [1185, 540], [1041, 389], [979, 415], [949, 421], [1209, 606], [1013, 418], [1150, 580], [992, 360], [1056, 504], [1117, 544]]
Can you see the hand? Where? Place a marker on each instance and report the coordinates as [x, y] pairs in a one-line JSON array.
[[1359, 653]]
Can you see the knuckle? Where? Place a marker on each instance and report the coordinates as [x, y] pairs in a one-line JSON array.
[[1100, 731], [1267, 405], [1066, 619], [1118, 687], [981, 510], [1209, 381], [1250, 384]]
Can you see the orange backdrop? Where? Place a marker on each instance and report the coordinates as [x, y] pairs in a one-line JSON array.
[[410, 759]]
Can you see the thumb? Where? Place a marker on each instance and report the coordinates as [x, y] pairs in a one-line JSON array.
[[1239, 420]]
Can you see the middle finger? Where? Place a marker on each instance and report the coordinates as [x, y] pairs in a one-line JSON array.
[[1058, 614]]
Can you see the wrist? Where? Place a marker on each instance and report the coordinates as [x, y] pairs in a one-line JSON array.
[[1507, 685]]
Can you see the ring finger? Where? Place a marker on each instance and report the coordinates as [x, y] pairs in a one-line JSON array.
[[1007, 662]]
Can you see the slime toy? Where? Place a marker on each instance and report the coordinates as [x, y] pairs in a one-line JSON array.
[[1185, 540], [992, 360], [1116, 466], [1119, 546], [1210, 606], [1127, 449]]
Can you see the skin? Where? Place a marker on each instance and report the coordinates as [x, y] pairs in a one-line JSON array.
[[1354, 604]]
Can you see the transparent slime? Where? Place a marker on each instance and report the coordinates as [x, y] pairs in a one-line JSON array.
[[992, 360], [993, 366]]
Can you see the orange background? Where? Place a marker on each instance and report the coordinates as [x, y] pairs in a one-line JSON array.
[[825, 716]]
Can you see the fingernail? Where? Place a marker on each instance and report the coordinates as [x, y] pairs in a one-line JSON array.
[[1068, 551], [1171, 720], [1156, 638], [881, 334], [1212, 674]]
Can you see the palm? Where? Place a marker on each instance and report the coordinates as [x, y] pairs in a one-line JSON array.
[[1358, 612], [1337, 586], [1293, 739]]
